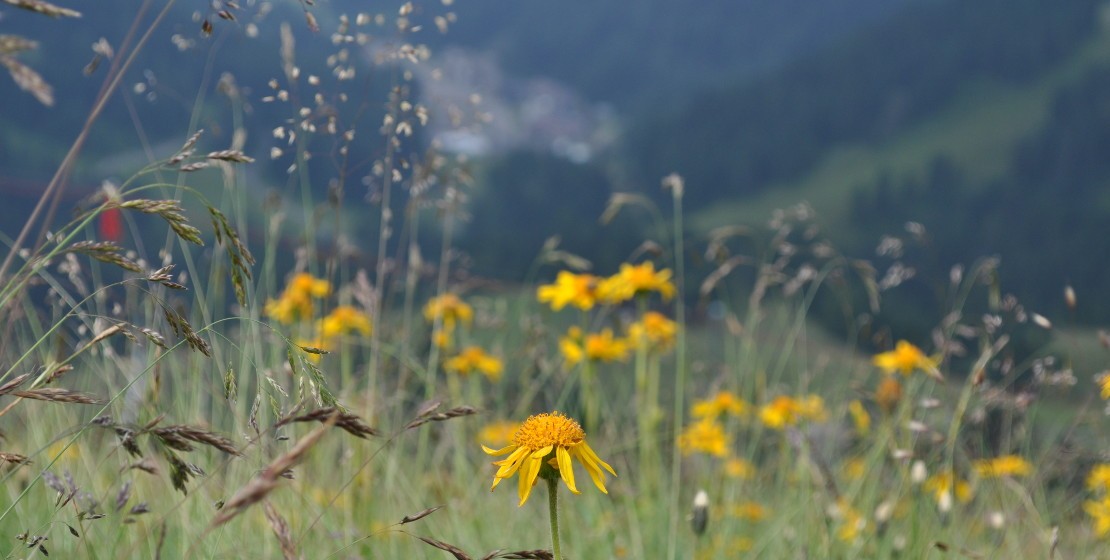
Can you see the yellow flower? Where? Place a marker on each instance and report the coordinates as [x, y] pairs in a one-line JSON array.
[[860, 418], [942, 488], [450, 309], [1100, 514], [720, 403], [604, 347], [786, 411], [906, 358], [851, 521], [569, 288], [739, 468], [343, 320], [1006, 465], [474, 359], [498, 434], [633, 280], [704, 436], [812, 407], [855, 468], [60, 453], [548, 441], [655, 329], [888, 394], [1104, 385], [750, 511], [295, 302], [1098, 479], [305, 283], [441, 338], [571, 347]]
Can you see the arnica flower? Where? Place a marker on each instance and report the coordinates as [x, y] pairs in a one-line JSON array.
[[943, 490], [749, 511], [579, 290], [295, 303], [498, 434], [604, 347], [855, 468], [705, 436], [345, 320], [450, 309], [1099, 510], [1103, 381], [786, 411], [1098, 480], [654, 329], [737, 467], [472, 359], [1006, 465], [724, 402], [596, 347], [571, 347], [548, 441], [860, 417], [888, 395], [906, 358], [633, 280], [851, 521]]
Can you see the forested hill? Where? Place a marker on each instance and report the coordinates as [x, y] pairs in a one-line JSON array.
[[738, 140], [654, 51]]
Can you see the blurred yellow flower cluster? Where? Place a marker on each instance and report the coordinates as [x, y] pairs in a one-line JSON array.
[[446, 312], [297, 305], [944, 486], [1004, 466], [655, 330], [906, 358], [1098, 482], [784, 411], [585, 291], [296, 301], [472, 359], [705, 436], [723, 402]]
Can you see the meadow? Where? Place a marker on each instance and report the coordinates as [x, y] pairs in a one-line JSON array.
[[189, 372]]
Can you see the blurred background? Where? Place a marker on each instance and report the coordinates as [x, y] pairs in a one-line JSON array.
[[972, 129]]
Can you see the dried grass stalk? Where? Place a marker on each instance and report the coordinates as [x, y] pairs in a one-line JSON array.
[[28, 80], [456, 412], [59, 395], [178, 437], [454, 550], [44, 8], [13, 384], [281, 531], [419, 515], [348, 422], [266, 481], [14, 458]]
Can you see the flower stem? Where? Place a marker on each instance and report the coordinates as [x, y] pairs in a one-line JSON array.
[[553, 507]]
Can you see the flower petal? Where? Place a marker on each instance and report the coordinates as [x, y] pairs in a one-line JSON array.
[[566, 470], [591, 468], [502, 451], [593, 457]]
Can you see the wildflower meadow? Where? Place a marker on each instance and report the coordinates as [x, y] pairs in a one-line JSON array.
[[192, 370]]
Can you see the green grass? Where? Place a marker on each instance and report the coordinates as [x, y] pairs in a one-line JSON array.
[[827, 487]]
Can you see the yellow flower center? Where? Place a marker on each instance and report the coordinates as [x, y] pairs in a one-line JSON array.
[[542, 430]]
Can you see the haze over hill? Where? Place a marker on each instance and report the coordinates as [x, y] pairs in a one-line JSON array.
[[877, 112]]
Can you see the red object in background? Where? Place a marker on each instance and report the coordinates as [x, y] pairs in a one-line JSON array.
[[111, 225]]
